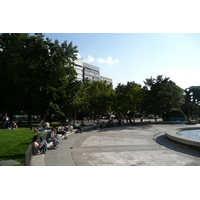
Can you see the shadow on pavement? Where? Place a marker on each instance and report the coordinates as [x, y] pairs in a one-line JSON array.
[[166, 142], [126, 127]]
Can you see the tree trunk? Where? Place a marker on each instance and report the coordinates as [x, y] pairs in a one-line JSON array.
[[74, 119], [29, 119], [134, 117], [42, 116], [49, 119]]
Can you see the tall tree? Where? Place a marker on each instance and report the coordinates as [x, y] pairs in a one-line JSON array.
[[163, 95], [36, 71], [11, 61], [94, 98], [129, 98]]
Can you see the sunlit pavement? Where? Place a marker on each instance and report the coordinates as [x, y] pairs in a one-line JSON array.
[[140, 145]]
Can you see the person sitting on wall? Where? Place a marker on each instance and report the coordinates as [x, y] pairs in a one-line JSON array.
[[39, 147], [53, 138], [61, 131], [68, 127], [46, 125], [78, 126]]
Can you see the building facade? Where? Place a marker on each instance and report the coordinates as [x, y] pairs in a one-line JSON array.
[[79, 69], [108, 80], [90, 72]]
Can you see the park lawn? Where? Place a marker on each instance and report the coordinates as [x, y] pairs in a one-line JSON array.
[[14, 143]]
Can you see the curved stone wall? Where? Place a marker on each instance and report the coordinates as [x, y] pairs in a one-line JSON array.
[[177, 138], [29, 151]]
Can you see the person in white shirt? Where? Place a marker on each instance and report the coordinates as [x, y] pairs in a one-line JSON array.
[[39, 147], [6, 120], [53, 138]]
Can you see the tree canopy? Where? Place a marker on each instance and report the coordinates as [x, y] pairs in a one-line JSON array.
[[35, 72], [163, 95]]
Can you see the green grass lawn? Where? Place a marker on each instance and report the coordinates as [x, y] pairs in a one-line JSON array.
[[14, 143]]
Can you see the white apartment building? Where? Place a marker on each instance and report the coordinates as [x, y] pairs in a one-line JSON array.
[[108, 80], [91, 72], [79, 69]]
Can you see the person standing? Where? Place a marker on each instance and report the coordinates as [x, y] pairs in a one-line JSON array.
[[6, 120]]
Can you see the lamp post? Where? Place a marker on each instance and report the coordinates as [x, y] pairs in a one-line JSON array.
[[190, 95], [197, 104]]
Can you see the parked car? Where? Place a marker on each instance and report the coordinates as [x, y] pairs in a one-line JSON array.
[[151, 116]]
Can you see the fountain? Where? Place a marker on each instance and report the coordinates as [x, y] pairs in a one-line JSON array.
[[189, 136]]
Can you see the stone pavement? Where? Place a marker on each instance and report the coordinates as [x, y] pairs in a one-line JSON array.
[[140, 145]]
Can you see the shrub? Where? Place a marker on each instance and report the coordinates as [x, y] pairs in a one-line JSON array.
[[174, 115]]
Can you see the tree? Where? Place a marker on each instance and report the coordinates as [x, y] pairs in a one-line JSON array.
[[190, 106], [129, 98], [37, 72], [11, 62], [94, 98], [163, 95]]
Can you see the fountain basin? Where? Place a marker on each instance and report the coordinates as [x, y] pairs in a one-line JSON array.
[[182, 135]]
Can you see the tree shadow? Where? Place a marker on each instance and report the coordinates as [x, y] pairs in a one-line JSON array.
[[126, 127], [13, 157]]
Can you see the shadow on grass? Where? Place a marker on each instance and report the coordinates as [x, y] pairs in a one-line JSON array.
[[17, 157], [27, 143]]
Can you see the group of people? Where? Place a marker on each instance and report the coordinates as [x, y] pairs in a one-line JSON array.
[[41, 147], [63, 129], [98, 124], [6, 123]]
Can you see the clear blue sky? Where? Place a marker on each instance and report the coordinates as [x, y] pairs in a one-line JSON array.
[[137, 56]]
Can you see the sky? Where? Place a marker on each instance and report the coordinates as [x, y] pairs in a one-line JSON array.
[[128, 41], [137, 56]]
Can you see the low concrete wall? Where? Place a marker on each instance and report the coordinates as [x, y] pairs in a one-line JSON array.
[[29, 152], [29, 155], [39, 159], [180, 139]]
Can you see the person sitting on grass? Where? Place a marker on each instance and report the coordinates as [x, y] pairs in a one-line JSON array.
[[35, 130], [14, 125], [39, 147]]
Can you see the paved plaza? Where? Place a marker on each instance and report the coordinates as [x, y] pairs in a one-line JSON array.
[[140, 145]]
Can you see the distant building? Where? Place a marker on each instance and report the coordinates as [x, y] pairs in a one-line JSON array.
[[79, 69], [108, 80], [91, 72], [88, 71]]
